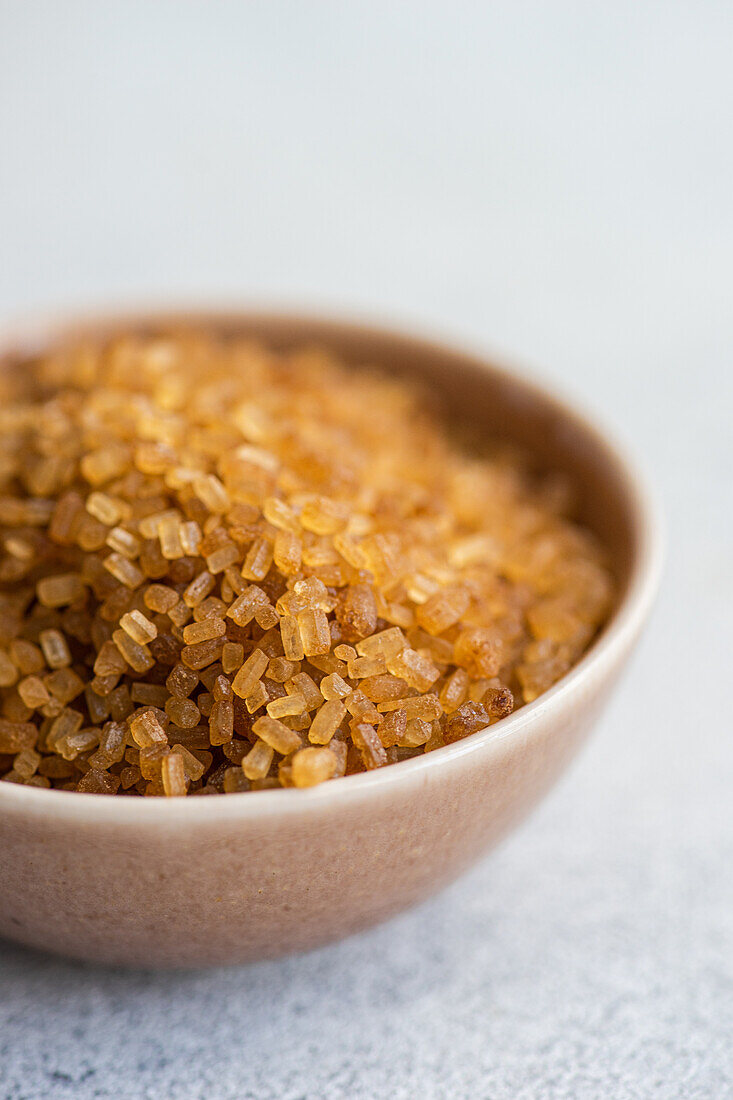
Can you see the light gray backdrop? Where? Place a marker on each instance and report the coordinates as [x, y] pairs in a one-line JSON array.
[[550, 180]]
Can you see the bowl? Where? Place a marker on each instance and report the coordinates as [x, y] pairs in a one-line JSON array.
[[233, 878]]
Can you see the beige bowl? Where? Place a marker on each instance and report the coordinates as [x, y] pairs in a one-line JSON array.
[[238, 877]]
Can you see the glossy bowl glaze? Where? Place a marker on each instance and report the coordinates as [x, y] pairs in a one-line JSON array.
[[233, 878]]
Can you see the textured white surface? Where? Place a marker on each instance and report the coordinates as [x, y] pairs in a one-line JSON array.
[[550, 179]]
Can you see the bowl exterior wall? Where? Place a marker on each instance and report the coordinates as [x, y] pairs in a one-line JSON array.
[[228, 891]]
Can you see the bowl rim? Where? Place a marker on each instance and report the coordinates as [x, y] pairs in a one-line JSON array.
[[607, 647]]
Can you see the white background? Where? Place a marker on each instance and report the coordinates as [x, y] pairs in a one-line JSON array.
[[550, 180]]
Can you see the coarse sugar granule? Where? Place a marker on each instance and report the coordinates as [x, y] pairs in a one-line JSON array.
[[225, 569]]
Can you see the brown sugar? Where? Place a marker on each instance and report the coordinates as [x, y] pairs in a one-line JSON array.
[[225, 568]]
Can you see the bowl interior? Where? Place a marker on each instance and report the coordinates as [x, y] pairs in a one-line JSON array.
[[612, 501]]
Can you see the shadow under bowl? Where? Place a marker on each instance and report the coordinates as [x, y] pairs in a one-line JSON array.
[[191, 882]]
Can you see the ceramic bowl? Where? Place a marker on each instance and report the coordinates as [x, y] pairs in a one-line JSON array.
[[239, 877]]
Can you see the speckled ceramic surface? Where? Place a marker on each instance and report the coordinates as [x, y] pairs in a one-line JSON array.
[[239, 877]]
